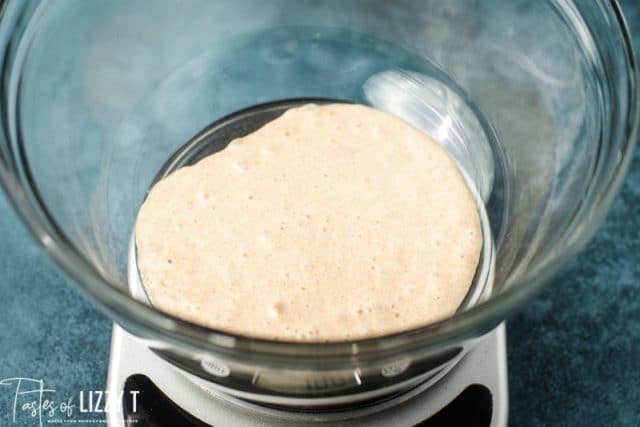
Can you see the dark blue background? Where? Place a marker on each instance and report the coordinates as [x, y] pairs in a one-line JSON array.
[[574, 350]]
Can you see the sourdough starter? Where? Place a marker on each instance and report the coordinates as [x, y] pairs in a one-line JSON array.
[[329, 223]]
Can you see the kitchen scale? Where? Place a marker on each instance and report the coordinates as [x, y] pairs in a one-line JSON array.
[[473, 393]]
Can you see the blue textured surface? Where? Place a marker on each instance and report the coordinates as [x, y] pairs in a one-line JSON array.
[[574, 350]]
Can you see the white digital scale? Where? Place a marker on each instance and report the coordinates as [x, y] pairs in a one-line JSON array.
[[474, 392]]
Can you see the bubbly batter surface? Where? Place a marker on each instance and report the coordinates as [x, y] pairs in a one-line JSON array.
[[329, 223]]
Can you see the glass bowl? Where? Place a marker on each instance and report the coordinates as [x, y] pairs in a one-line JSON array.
[[537, 102]]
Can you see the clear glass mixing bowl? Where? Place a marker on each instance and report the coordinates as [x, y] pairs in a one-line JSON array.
[[537, 101]]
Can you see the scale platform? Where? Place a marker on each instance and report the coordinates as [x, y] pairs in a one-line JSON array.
[[473, 393]]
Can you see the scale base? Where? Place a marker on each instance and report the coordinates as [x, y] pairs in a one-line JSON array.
[[474, 392]]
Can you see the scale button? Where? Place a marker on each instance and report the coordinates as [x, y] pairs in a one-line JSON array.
[[395, 368], [215, 367]]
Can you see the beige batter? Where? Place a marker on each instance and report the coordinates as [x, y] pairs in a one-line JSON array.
[[329, 223]]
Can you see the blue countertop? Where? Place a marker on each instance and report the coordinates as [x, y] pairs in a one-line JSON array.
[[573, 351]]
